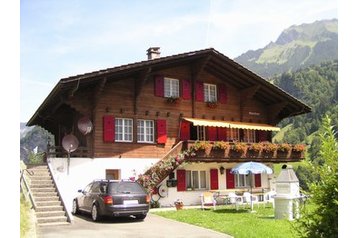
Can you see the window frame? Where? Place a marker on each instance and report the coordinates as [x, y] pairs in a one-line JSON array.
[[145, 131], [173, 92], [245, 178], [189, 178], [123, 133], [210, 96]]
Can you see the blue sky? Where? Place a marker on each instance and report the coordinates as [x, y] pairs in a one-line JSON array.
[[64, 38]]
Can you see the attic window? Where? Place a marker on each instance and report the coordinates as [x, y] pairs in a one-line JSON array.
[[210, 92], [171, 87]]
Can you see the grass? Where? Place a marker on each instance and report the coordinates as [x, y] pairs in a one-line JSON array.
[[25, 225], [241, 223]]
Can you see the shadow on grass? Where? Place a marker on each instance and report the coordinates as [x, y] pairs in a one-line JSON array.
[[231, 211]]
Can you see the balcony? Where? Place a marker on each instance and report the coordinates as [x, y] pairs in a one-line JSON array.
[[209, 151], [59, 151]]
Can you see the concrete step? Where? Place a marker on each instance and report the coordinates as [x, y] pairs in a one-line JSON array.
[[45, 189], [47, 184], [48, 198], [48, 203], [54, 224], [44, 194], [37, 178], [42, 220], [37, 166], [49, 208], [50, 214]]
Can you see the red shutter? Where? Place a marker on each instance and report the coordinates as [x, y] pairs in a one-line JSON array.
[[222, 93], [199, 91], [108, 128], [230, 180], [159, 86], [161, 131], [185, 130], [214, 179], [185, 89], [222, 133], [181, 183], [212, 133], [257, 180]]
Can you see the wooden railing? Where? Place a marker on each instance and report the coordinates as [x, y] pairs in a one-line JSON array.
[[59, 151], [160, 170], [206, 152], [25, 188]]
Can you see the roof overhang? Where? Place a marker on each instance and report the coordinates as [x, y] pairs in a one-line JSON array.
[[232, 124]]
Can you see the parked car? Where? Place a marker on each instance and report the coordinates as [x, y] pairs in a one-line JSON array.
[[112, 198]]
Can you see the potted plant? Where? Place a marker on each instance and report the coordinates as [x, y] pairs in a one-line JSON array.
[[283, 150], [297, 150], [219, 148], [179, 204], [173, 99], [268, 149], [212, 104], [238, 149], [254, 149], [200, 148]]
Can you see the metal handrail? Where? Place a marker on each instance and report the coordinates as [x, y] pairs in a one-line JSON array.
[[28, 194]]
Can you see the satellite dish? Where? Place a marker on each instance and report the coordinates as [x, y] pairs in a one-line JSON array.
[[70, 143], [85, 125]]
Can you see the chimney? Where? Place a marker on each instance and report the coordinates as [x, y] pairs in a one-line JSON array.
[[153, 53]]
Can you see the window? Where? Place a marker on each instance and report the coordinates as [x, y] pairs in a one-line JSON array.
[[195, 179], [233, 134], [145, 131], [242, 180], [210, 92], [249, 136], [123, 130], [200, 132], [171, 87]]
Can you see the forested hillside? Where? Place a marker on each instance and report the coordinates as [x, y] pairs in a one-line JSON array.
[[317, 86]]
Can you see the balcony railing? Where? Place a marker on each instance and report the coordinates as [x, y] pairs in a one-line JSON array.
[[205, 151], [59, 151]]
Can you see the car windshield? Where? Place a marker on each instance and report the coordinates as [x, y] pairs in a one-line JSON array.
[[125, 188]]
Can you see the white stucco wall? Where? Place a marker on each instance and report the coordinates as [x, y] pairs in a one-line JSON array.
[[82, 171], [193, 197]]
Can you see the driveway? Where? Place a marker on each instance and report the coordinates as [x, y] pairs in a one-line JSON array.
[[152, 226]]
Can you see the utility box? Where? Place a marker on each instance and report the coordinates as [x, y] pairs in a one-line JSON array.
[[287, 194]]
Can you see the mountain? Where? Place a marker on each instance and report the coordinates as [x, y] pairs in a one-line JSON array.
[[296, 47]]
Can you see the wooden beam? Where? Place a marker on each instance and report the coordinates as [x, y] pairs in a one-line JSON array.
[[198, 67], [274, 109]]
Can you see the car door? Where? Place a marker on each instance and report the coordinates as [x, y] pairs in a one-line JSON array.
[[92, 195], [82, 201]]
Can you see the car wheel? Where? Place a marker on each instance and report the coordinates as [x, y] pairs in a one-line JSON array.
[[94, 213], [74, 207], [141, 217]]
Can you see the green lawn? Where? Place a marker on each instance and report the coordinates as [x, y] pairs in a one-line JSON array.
[[240, 223]]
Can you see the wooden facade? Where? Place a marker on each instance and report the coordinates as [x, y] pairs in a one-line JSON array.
[[132, 92]]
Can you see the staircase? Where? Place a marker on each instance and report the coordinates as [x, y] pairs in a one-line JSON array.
[[160, 170], [48, 207]]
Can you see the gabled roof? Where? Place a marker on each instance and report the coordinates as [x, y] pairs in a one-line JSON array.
[[209, 59]]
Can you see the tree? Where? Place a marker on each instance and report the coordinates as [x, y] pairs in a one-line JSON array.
[[321, 220]]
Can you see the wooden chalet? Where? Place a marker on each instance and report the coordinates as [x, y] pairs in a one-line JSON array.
[[144, 114]]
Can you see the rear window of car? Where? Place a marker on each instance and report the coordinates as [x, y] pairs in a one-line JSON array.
[[125, 188]]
